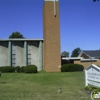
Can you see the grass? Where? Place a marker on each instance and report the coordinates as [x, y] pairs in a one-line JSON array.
[[43, 86]]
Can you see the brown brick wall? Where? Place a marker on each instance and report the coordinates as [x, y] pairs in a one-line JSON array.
[[87, 64], [52, 57], [84, 56]]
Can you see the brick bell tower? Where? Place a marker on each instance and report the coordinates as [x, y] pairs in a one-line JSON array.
[[52, 57]]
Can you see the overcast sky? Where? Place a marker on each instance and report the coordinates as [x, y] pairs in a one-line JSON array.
[[79, 22]]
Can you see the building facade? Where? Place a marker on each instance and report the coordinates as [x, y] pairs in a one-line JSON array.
[[44, 53], [85, 58], [21, 52]]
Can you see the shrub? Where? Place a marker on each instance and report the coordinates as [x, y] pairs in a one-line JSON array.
[[17, 69], [30, 69], [71, 67], [22, 69], [97, 90], [7, 69], [64, 68], [92, 89], [1, 69]]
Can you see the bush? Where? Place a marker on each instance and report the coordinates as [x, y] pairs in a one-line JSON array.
[[17, 69], [22, 69], [1, 69], [7, 69], [92, 89], [64, 68], [71, 67], [30, 69]]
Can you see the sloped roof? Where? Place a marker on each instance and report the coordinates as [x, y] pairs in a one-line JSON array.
[[92, 53]]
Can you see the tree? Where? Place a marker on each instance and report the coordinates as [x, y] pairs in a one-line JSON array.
[[65, 53], [75, 52], [16, 35]]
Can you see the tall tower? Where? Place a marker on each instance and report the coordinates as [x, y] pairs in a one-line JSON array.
[[52, 57]]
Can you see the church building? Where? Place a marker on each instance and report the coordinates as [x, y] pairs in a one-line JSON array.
[[44, 53]]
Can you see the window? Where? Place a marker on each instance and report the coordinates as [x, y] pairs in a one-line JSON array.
[[29, 59], [13, 57], [13, 51], [29, 55], [13, 60]]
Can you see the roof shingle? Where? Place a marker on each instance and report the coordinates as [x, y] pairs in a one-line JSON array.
[[92, 53]]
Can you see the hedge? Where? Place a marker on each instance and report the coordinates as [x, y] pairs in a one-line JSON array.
[[71, 67], [17, 69], [22, 68], [7, 69], [30, 69], [25, 69]]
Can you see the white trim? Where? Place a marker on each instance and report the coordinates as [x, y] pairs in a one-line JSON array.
[[72, 58], [93, 65], [78, 58], [19, 39], [86, 81], [54, 7], [89, 59], [80, 54], [84, 53], [87, 55]]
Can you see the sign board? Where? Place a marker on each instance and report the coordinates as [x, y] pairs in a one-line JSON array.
[[92, 76]]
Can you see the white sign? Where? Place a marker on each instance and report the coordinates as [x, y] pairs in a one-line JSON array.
[[92, 75]]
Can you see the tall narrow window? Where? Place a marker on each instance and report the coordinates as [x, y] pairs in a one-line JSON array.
[[13, 55], [29, 55]]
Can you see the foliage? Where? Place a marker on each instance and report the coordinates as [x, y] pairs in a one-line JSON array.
[[93, 89], [16, 35], [90, 88], [7, 69], [65, 53], [64, 68], [71, 67], [17, 69], [96, 90], [1, 69], [30, 69], [75, 52], [22, 69]]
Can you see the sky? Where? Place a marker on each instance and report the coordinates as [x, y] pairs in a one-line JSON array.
[[79, 22]]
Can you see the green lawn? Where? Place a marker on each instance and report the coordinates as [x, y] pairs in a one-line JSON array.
[[43, 86]]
